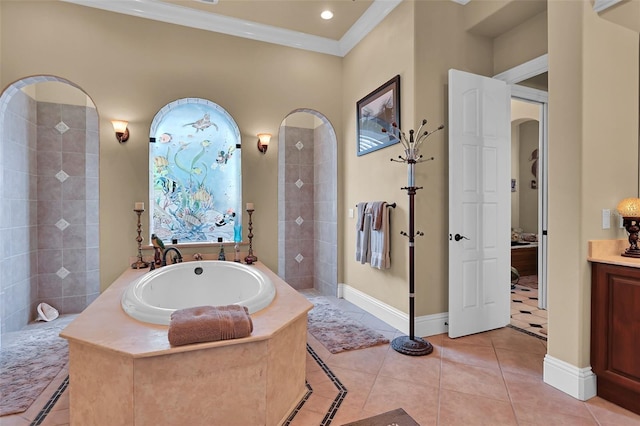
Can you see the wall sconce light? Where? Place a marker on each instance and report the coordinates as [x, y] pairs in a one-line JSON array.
[[629, 209], [122, 132], [263, 142]]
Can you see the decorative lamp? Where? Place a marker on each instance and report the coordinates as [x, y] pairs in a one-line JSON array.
[[263, 142], [629, 209], [122, 132]]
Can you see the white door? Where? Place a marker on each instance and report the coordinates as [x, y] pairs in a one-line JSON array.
[[479, 203]]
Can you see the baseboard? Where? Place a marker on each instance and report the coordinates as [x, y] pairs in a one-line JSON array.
[[426, 325], [580, 383]]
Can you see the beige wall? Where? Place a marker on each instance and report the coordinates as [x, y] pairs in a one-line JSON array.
[[132, 67], [441, 44], [58, 92], [593, 157], [520, 44], [387, 51]]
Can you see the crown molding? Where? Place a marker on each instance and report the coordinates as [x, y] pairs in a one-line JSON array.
[[179, 15], [524, 71], [370, 19]]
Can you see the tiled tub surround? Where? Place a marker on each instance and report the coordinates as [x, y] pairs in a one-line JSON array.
[[116, 361], [49, 208]]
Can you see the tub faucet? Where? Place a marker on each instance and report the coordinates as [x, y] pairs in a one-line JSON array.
[[178, 258]]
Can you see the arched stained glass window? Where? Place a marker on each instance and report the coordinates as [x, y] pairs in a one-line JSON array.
[[195, 173]]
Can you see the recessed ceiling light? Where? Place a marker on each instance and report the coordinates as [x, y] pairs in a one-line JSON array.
[[327, 14]]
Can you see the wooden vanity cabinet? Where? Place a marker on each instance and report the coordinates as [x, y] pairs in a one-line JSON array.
[[615, 333]]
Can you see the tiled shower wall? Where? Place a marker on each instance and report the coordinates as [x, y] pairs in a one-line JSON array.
[[50, 209], [296, 214], [307, 209], [18, 219], [325, 211]]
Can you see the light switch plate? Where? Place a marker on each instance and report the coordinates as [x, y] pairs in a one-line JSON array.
[[606, 218]]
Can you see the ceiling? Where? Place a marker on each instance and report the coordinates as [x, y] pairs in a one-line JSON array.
[[299, 15], [294, 23]]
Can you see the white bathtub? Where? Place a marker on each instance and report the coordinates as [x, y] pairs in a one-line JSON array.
[[153, 297]]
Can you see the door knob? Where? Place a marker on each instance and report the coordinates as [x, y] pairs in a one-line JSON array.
[[459, 237]]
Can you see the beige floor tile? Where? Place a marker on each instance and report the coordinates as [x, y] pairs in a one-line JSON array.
[[609, 414], [318, 347], [487, 382], [14, 420], [421, 369], [540, 313], [529, 392], [527, 416], [357, 383], [368, 360], [520, 324], [529, 318], [480, 339], [514, 340], [480, 356], [465, 381], [419, 401], [520, 362], [318, 404], [321, 384], [458, 408], [532, 303], [307, 418]]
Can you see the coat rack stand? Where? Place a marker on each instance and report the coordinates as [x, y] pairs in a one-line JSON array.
[[411, 345]]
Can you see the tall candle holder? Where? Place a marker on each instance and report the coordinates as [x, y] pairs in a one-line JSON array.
[[139, 264], [250, 258]]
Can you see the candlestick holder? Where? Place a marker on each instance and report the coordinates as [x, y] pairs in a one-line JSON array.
[[250, 258], [139, 264]]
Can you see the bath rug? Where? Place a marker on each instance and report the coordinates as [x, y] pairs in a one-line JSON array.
[[29, 360], [397, 417], [337, 331]]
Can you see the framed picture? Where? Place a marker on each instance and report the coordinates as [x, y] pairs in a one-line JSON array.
[[378, 110]]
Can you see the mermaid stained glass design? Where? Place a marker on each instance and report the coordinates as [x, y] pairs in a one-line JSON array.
[[195, 173]]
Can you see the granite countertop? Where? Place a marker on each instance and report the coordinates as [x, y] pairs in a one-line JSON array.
[[609, 251], [105, 325]]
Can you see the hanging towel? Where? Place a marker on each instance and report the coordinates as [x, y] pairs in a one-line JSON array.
[[209, 324], [361, 208], [377, 211], [362, 245], [380, 247]]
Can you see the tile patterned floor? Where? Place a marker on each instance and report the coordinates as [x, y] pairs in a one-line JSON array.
[[492, 378], [525, 313]]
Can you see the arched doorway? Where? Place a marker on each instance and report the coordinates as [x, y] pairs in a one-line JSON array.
[[50, 198], [307, 202]]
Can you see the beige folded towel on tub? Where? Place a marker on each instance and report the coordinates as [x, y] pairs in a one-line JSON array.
[[209, 324]]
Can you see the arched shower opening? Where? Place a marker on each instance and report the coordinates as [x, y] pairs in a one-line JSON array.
[[307, 202], [49, 197]]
